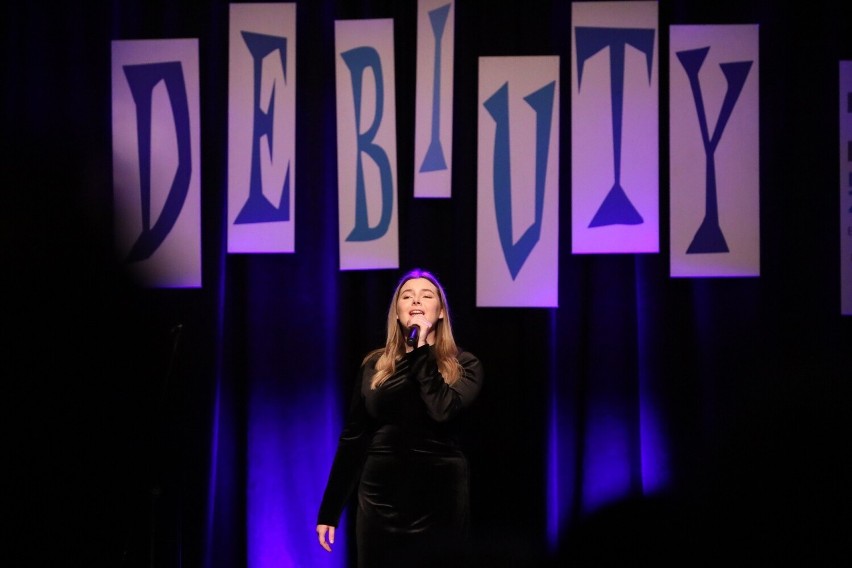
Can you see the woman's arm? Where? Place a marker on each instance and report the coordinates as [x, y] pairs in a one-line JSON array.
[[443, 401], [348, 459]]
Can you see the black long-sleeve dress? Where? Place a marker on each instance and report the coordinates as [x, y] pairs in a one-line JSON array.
[[400, 449]]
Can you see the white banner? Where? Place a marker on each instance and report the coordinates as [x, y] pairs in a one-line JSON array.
[[517, 247], [715, 151], [366, 144], [614, 127], [262, 128], [846, 187], [156, 163], [433, 122]]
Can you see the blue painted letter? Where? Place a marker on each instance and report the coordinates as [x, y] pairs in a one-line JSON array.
[[709, 237], [258, 209], [359, 60], [616, 207], [497, 106], [142, 79], [434, 159]]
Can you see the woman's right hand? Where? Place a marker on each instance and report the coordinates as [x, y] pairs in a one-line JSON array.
[[322, 530]]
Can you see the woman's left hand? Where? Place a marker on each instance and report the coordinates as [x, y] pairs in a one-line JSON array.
[[425, 326]]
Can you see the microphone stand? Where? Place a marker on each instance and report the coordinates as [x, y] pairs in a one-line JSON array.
[[156, 489], [157, 420]]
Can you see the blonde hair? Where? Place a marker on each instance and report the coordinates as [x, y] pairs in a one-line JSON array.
[[446, 350]]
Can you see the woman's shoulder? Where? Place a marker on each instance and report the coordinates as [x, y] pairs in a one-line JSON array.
[[370, 359], [466, 357]]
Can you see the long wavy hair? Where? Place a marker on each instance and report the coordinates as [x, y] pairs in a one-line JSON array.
[[446, 350]]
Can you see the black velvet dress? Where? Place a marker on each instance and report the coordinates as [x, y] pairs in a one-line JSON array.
[[400, 449]]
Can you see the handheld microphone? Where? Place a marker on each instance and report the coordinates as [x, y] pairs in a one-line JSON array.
[[413, 335]]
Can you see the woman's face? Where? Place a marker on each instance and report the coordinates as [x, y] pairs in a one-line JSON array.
[[418, 298]]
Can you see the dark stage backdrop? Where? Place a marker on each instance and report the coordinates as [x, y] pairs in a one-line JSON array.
[[646, 417]]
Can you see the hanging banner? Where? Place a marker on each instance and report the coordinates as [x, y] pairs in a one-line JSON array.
[[614, 127], [714, 151], [366, 144], [262, 128], [433, 132], [517, 260], [156, 163], [846, 188]]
